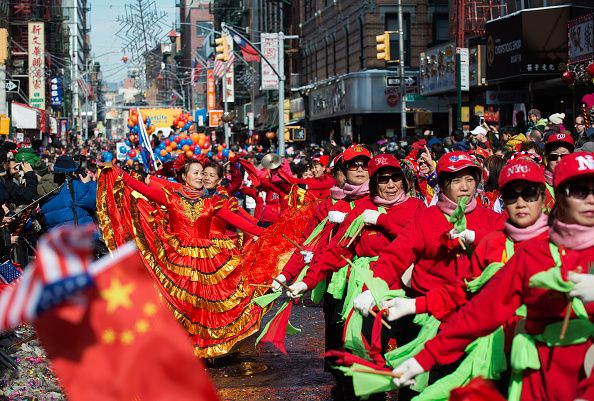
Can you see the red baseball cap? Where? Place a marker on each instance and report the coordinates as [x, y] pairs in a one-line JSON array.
[[522, 169], [575, 165], [561, 138], [355, 151], [381, 161], [322, 159], [337, 159], [455, 161]]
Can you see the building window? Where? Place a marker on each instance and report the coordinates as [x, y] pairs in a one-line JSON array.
[[441, 28], [334, 54], [392, 25], [327, 51], [361, 45], [347, 49]]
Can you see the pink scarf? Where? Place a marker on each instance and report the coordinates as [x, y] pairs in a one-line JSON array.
[[356, 191], [572, 236], [403, 197], [548, 177], [337, 192], [447, 206], [518, 234]]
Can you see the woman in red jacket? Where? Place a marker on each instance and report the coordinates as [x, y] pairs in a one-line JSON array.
[[352, 165], [557, 146], [547, 354], [384, 213]]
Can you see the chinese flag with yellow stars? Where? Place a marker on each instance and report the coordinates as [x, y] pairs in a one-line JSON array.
[[117, 341]]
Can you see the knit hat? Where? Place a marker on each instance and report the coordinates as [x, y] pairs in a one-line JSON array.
[[455, 161], [65, 164], [381, 161], [559, 139], [355, 151], [522, 169], [536, 112], [27, 155], [575, 165], [557, 118]]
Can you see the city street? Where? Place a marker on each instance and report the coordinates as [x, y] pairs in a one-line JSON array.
[[300, 376]]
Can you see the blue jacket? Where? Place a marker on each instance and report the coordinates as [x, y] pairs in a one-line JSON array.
[[58, 209]]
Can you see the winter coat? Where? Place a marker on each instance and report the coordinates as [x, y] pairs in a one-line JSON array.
[[58, 210]]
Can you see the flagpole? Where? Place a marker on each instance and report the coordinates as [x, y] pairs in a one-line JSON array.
[[146, 139]]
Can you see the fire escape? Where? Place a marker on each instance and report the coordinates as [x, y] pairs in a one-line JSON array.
[[472, 17]]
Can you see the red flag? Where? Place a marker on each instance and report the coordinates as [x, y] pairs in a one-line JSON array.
[[120, 343], [276, 330]]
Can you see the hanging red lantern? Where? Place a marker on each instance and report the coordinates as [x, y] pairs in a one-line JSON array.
[[590, 70], [568, 78]]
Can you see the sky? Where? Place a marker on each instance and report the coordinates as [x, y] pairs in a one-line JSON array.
[[106, 47]]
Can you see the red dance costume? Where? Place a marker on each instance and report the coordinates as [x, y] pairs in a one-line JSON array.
[[200, 274]]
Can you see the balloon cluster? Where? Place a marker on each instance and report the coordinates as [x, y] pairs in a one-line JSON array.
[[132, 141], [192, 144], [184, 122]]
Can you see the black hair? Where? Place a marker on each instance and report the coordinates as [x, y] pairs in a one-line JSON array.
[[218, 167], [186, 169], [494, 164], [458, 134]]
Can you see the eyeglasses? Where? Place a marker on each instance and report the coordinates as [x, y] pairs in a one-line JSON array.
[[355, 165], [553, 157], [385, 178], [529, 194], [578, 191]]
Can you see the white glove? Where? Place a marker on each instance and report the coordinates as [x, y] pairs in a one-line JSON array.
[[370, 216], [276, 286], [336, 217], [407, 370], [364, 302], [297, 289], [467, 236], [584, 286], [307, 256], [399, 307]]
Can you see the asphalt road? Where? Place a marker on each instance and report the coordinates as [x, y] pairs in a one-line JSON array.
[[298, 376]]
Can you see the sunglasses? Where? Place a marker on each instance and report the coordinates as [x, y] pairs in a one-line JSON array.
[[385, 178], [529, 194], [578, 191], [355, 165], [553, 157]]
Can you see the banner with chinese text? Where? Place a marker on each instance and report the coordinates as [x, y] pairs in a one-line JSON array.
[[37, 65]]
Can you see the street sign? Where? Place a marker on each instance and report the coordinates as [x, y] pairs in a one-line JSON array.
[[395, 81], [413, 97], [12, 85]]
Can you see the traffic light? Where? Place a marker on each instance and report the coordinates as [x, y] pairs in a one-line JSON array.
[[222, 48], [387, 46]]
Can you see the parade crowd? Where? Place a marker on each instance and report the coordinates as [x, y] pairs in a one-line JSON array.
[[438, 259]]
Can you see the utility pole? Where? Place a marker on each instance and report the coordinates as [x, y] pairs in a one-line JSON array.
[[281, 91], [225, 110], [402, 86]]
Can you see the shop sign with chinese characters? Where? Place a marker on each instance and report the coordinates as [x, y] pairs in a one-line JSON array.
[[37, 65]]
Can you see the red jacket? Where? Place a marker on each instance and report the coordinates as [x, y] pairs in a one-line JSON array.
[[320, 187], [372, 241], [295, 263], [421, 244], [442, 301], [497, 302]]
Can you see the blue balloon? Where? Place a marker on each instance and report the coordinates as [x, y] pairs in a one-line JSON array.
[[226, 152], [123, 149], [107, 157], [187, 126], [148, 121], [209, 154], [135, 129], [128, 143], [197, 151]]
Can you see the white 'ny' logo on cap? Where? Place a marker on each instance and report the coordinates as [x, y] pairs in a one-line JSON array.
[[585, 162]]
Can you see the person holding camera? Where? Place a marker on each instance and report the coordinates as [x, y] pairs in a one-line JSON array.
[[18, 181], [74, 202]]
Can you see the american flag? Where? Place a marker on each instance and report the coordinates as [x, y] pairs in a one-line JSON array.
[[221, 67], [9, 272], [196, 70], [62, 269]]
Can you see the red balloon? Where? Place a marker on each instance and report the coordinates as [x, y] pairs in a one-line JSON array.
[[167, 142], [193, 147], [177, 139], [590, 70], [568, 78], [132, 153], [220, 155], [224, 145]]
